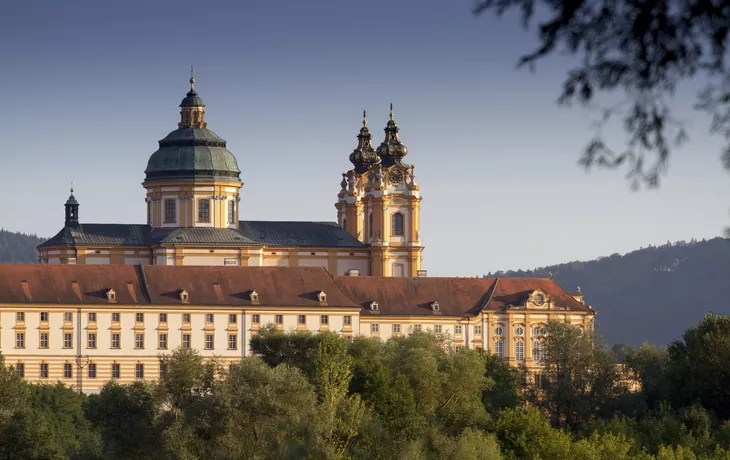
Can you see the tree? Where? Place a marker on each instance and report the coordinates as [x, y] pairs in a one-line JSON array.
[[643, 49], [507, 388], [649, 364], [580, 377], [698, 366]]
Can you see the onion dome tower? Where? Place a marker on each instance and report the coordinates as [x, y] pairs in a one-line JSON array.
[[392, 150], [192, 180], [364, 156]]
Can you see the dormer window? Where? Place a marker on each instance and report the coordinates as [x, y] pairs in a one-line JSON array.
[[254, 296], [184, 296], [538, 299], [435, 306], [374, 306], [322, 297], [111, 295]]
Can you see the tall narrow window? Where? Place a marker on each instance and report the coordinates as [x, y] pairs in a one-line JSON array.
[[20, 340], [44, 340], [20, 369], [139, 371], [231, 212], [68, 317], [195, 116], [139, 341], [397, 224], [149, 213], [204, 210], [370, 224], [499, 348], [20, 317], [92, 317], [44, 370], [170, 217], [279, 319], [67, 371], [209, 318], [163, 317], [44, 317], [232, 341], [115, 317], [302, 319], [163, 341], [256, 319], [67, 340], [187, 117], [324, 320], [186, 341], [208, 341], [520, 350], [347, 320], [115, 340], [139, 317], [92, 340], [92, 370], [163, 370], [232, 318]]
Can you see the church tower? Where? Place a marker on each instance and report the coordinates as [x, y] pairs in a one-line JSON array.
[[379, 203], [192, 180]]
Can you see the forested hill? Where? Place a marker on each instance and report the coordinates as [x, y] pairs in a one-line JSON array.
[[653, 293], [18, 247]]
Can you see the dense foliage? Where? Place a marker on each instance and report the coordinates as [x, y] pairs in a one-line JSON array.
[[653, 293], [317, 396], [18, 247]]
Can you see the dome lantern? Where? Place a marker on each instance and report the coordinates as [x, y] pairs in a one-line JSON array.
[[392, 150], [364, 156]]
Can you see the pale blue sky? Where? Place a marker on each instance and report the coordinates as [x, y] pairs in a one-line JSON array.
[[90, 87]]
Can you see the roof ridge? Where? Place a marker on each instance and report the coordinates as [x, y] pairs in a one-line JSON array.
[[340, 287], [570, 295], [493, 288]]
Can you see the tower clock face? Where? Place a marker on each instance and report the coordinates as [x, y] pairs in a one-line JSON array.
[[396, 176]]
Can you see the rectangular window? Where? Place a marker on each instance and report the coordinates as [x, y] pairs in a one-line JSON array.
[[203, 210], [256, 319], [302, 319], [44, 317], [231, 212], [92, 317], [44, 370], [279, 319], [457, 329], [67, 371], [116, 371], [20, 340], [115, 317], [44, 340], [139, 371], [324, 320], [186, 318], [186, 341], [396, 328], [20, 369], [375, 328], [232, 342], [437, 328], [92, 340], [209, 318], [68, 340], [139, 317], [139, 341], [68, 317], [348, 320], [163, 317], [170, 208], [477, 330], [163, 370], [417, 327], [92, 370], [232, 318], [20, 317], [208, 341], [115, 341], [163, 341]]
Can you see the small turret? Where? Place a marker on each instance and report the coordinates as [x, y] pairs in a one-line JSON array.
[[72, 211], [392, 150], [364, 156]]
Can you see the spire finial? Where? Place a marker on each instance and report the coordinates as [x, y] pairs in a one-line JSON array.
[[72, 186], [364, 118], [392, 116], [192, 77]]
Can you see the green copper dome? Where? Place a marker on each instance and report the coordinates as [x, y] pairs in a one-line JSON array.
[[192, 100], [192, 154]]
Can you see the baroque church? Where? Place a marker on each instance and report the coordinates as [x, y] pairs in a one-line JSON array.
[[193, 189]]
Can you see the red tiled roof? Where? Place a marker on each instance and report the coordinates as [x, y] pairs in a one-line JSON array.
[[280, 286], [514, 291], [55, 284], [413, 296]]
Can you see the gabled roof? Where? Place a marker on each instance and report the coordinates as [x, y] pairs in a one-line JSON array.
[[249, 233]]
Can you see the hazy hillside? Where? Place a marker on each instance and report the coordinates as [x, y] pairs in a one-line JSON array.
[[18, 247], [653, 293]]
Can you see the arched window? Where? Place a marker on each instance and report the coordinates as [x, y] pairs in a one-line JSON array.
[[187, 117], [195, 116], [397, 224], [344, 222], [499, 348], [538, 352], [520, 350]]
